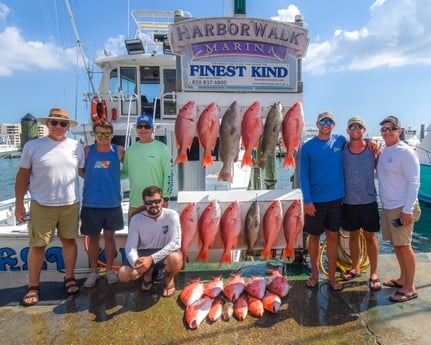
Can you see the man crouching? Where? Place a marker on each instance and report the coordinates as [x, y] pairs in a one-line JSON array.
[[153, 243]]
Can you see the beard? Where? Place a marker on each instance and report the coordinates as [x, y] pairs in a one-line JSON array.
[[154, 211]]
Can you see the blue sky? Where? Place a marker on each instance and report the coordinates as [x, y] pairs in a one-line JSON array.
[[366, 57]]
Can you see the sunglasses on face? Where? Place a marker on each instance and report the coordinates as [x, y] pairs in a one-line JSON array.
[[55, 123], [150, 202], [388, 129], [324, 122], [144, 126], [353, 127], [101, 134]]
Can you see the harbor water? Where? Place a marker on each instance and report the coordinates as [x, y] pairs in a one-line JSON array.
[[421, 237]]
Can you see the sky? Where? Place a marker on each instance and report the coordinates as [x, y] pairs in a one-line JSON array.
[[370, 58]]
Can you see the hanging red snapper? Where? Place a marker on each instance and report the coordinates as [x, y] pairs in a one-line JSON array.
[[189, 227], [208, 128], [271, 227], [251, 130], [198, 311], [230, 135], [291, 132], [185, 130], [293, 224], [208, 227], [230, 228]]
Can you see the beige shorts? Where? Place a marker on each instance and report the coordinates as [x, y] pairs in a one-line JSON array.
[[44, 220], [398, 236]]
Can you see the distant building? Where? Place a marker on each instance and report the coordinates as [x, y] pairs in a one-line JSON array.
[[12, 132]]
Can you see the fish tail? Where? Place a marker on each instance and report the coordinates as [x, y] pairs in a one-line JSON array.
[[226, 257], [225, 176], [289, 161], [207, 160], [265, 254], [288, 253], [203, 255], [246, 160], [181, 158]]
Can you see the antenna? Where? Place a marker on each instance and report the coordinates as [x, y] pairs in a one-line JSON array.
[[79, 44]]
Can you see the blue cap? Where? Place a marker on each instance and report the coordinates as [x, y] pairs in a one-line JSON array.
[[145, 118]]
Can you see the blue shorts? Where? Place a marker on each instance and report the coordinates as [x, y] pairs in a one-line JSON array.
[[365, 217], [329, 217], [93, 220]]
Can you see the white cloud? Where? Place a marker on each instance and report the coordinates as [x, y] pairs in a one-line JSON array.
[[4, 11], [395, 36], [287, 15]]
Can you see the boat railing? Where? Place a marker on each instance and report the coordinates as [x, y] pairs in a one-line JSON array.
[[424, 151]]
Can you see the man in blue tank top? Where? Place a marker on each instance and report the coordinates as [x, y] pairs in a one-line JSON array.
[[360, 209], [321, 178], [101, 203]]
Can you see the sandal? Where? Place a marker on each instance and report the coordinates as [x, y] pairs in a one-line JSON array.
[[32, 293], [168, 291], [374, 284], [311, 282], [399, 297], [349, 275], [71, 286], [392, 284], [335, 285]]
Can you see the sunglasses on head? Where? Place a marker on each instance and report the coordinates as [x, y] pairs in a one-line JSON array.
[[62, 123], [150, 202], [388, 129], [101, 134], [328, 122], [354, 126], [144, 126]]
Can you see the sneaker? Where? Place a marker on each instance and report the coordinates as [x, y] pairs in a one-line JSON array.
[[111, 277], [91, 280], [158, 274]]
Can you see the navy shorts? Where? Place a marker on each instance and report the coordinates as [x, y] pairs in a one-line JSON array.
[[147, 252], [93, 220], [365, 217], [329, 216]]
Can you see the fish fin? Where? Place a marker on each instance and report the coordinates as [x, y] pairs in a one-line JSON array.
[[202, 256], [226, 257], [225, 176], [289, 161], [247, 160], [181, 158], [265, 254], [288, 253]]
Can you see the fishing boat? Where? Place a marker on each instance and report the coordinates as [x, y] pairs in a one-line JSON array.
[[7, 148], [165, 68], [423, 150]]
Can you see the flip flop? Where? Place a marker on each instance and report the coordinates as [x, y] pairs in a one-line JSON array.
[[404, 297], [32, 292], [392, 284], [349, 275], [372, 282], [168, 291], [335, 285], [311, 283], [70, 284]]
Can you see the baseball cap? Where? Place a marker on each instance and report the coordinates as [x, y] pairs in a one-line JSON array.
[[145, 118], [391, 119], [326, 114], [356, 119]]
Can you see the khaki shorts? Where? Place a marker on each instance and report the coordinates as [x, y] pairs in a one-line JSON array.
[[402, 235], [44, 220]]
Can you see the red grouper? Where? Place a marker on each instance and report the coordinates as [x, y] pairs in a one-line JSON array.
[[293, 223], [230, 228], [208, 227], [271, 227], [230, 135], [208, 129], [271, 132], [198, 311], [185, 130], [291, 132], [252, 227], [189, 227], [251, 130]]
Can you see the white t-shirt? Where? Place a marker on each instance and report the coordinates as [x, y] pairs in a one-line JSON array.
[[54, 167]]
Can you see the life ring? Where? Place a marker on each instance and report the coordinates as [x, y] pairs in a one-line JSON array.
[[98, 109]]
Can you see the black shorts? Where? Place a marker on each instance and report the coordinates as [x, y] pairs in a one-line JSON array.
[[365, 217], [329, 216], [147, 252], [93, 220]]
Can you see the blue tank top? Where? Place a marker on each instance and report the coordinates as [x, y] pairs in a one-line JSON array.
[[102, 188]]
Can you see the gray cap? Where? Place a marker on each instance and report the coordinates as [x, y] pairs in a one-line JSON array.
[[325, 114], [391, 119], [356, 119]]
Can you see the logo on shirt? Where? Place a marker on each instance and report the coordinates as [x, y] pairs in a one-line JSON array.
[[102, 164], [165, 229]]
